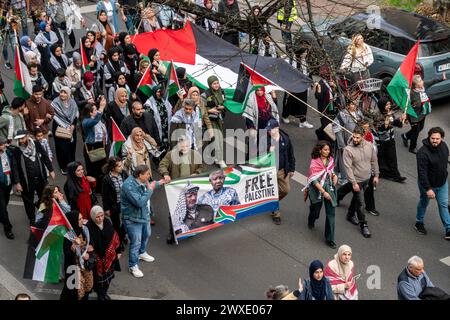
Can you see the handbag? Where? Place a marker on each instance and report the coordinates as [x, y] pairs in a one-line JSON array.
[[96, 154], [63, 133], [329, 131]]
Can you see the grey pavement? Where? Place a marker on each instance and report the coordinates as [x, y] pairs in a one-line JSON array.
[[241, 260]]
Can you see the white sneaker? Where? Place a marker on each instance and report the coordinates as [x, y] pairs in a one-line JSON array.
[[136, 272], [146, 257], [285, 120], [305, 124]]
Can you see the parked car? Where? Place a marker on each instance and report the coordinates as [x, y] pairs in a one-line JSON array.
[[395, 33]]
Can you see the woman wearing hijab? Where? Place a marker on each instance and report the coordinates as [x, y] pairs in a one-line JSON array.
[[112, 186], [86, 91], [79, 189], [118, 109], [341, 271], [31, 58], [136, 151], [46, 37], [120, 81], [214, 99], [66, 117], [322, 188], [384, 136], [111, 8], [91, 55], [194, 94], [113, 66], [318, 286], [73, 71], [58, 60], [107, 251], [28, 45], [131, 59], [260, 108], [105, 31], [161, 109], [78, 252], [158, 69]]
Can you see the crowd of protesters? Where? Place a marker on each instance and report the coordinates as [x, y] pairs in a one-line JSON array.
[[73, 98]]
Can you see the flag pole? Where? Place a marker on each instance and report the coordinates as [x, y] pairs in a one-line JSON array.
[[308, 105], [137, 87]]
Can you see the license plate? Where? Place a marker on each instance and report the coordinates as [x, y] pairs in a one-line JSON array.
[[444, 67]]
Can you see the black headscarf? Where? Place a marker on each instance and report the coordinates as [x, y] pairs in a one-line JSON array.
[[116, 78], [111, 52], [88, 51], [73, 216], [318, 287], [60, 58], [72, 187], [122, 37], [101, 239]]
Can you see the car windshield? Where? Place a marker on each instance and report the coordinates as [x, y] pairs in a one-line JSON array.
[[433, 48]]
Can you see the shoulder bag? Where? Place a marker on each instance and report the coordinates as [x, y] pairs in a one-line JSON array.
[[63, 133]]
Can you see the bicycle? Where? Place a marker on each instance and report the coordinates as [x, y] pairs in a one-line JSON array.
[[365, 93]]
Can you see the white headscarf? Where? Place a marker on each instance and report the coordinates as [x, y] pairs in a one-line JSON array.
[[95, 211], [344, 268]]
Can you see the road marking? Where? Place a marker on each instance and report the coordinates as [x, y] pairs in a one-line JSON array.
[[446, 261], [14, 286], [16, 203], [88, 9]]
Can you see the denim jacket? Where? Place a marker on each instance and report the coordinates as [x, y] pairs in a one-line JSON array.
[[88, 128], [135, 201]]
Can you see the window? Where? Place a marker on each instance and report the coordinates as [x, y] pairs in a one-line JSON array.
[[377, 38], [401, 45], [349, 27], [434, 48]]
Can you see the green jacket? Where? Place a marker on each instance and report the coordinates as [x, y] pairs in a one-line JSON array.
[[171, 167]]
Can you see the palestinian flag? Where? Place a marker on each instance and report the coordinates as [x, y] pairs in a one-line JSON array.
[[203, 54], [172, 81], [22, 82], [400, 86], [146, 83], [49, 252], [117, 139], [248, 81], [84, 58]]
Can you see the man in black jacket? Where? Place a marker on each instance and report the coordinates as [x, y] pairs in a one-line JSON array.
[[432, 162], [8, 177], [32, 161], [141, 119], [282, 146]]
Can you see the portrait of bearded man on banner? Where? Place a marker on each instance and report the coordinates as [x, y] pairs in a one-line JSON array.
[[188, 214]]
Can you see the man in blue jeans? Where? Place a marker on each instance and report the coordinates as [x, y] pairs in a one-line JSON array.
[[135, 210], [432, 160]]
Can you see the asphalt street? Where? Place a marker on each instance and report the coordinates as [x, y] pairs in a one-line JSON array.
[[241, 260]]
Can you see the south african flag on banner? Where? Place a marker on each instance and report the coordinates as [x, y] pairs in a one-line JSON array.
[[117, 139]]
